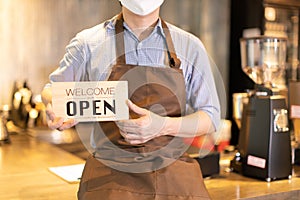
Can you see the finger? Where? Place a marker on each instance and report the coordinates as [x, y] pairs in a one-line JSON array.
[[136, 138], [136, 109], [49, 112], [128, 126], [123, 133], [124, 124], [136, 142], [67, 124], [56, 123], [132, 136], [126, 136]]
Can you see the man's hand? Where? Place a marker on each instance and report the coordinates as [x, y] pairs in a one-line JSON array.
[[58, 122], [148, 126]]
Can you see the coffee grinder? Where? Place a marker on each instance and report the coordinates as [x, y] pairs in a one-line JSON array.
[[264, 147]]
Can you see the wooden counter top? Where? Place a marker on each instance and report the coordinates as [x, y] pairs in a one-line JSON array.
[[231, 185], [24, 175], [24, 170]]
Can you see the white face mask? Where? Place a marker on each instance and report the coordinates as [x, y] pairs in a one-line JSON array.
[[141, 7]]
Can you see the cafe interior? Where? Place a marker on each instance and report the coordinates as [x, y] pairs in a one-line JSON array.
[[253, 46]]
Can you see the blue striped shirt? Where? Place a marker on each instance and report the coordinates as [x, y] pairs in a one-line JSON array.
[[91, 54]]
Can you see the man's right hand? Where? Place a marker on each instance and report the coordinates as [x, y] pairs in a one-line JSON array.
[[58, 123]]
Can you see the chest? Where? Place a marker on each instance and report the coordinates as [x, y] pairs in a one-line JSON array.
[[149, 52]]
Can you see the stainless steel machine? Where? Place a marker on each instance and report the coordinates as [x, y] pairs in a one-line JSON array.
[[264, 146]]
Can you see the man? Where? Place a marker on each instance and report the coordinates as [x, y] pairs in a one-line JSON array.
[[169, 76]]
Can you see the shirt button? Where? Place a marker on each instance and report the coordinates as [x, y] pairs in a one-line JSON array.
[[140, 45]]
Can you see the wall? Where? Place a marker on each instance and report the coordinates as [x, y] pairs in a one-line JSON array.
[[34, 33], [215, 33]]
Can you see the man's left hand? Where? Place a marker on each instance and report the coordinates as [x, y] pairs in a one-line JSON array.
[[148, 126]]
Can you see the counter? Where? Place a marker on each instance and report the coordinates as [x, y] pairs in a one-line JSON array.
[[24, 174], [231, 185], [24, 170]]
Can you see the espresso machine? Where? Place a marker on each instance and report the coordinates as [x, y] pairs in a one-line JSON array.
[[264, 146]]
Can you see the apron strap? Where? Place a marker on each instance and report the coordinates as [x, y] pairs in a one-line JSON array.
[[120, 49], [174, 62]]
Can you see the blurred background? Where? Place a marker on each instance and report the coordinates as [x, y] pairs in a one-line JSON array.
[[33, 37], [34, 34]]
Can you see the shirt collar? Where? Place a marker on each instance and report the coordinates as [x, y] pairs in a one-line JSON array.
[[110, 25]]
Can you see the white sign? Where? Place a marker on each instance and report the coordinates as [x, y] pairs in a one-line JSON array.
[[295, 111], [91, 101], [256, 161]]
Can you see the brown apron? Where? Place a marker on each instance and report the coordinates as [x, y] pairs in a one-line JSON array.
[[157, 169]]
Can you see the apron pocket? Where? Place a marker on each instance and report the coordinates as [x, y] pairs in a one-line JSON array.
[[182, 179], [101, 177], [98, 175]]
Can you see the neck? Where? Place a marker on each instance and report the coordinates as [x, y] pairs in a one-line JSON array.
[[142, 26]]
